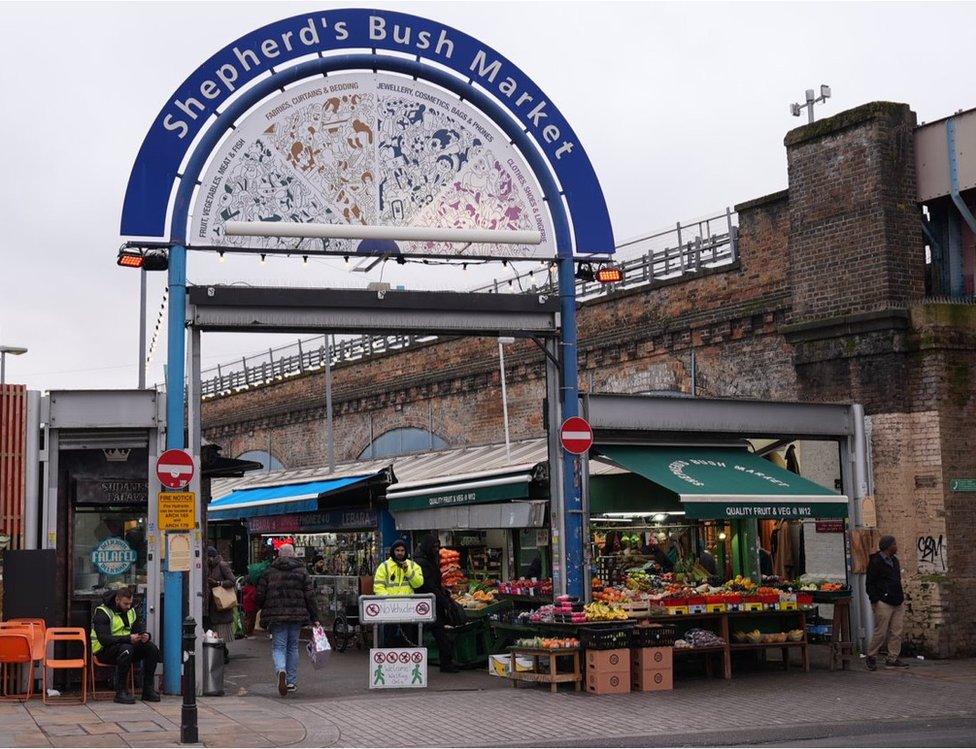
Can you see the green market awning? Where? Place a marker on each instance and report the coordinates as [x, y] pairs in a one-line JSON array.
[[473, 490], [725, 483]]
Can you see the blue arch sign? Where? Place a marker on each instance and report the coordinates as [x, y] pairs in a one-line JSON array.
[[267, 49], [230, 86]]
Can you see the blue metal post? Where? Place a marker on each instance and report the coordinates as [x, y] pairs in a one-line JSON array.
[[175, 402], [569, 387]]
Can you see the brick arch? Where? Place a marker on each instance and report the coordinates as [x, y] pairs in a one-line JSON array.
[[416, 433], [245, 454]]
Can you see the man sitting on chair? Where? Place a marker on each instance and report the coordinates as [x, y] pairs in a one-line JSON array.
[[119, 638]]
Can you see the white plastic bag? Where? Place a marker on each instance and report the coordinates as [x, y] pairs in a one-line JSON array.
[[319, 649]]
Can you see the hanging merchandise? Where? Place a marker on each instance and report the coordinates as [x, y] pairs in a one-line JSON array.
[[277, 543]]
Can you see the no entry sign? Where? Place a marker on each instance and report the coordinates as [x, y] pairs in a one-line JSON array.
[[174, 469], [576, 435]]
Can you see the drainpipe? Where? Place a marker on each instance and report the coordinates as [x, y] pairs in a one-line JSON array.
[[863, 487]]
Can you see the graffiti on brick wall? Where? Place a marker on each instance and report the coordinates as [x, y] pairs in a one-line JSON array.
[[933, 555]]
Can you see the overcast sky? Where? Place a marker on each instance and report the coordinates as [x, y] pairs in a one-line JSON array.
[[682, 108]]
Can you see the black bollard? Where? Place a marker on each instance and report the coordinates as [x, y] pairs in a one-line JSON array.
[[188, 717]]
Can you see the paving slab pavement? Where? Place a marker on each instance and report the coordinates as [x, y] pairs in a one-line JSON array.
[[335, 709]]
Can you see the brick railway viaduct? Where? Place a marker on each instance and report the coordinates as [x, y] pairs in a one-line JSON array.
[[827, 301]]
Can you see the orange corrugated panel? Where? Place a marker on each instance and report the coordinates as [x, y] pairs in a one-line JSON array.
[[13, 461]]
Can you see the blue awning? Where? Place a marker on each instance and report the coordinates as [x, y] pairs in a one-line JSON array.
[[276, 500]]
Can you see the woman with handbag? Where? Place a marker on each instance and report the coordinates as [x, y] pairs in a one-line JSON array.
[[219, 604]]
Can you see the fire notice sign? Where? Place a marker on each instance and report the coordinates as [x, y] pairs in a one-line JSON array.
[[177, 511], [397, 668]]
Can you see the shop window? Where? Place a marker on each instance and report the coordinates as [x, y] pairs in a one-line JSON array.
[[268, 461], [403, 441], [109, 549]]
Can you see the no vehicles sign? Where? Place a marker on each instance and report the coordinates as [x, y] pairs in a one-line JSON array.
[[397, 668]]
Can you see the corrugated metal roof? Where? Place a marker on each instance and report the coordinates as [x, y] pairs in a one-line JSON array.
[[437, 467]]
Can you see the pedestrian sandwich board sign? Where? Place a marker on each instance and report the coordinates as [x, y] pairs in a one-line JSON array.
[[397, 609], [397, 668]]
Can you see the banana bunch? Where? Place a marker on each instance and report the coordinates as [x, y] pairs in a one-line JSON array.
[[601, 612]]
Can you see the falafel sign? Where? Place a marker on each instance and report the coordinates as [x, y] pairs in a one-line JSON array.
[[417, 609], [113, 556]]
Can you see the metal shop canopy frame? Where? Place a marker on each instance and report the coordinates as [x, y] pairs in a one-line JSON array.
[[714, 483], [277, 500]]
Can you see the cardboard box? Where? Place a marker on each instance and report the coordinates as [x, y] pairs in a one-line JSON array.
[[501, 665], [653, 680], [642, 659], [608, 682], [608, 660]]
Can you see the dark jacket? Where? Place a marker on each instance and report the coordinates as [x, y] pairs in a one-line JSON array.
[[430, 565], [286, 595], [103, 625], [884, 581], [218, 573]]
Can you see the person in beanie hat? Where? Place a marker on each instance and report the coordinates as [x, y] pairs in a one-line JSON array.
[[397, 576], [888, 603]]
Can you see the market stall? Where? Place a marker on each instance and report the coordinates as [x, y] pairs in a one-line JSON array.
[[675, 541]]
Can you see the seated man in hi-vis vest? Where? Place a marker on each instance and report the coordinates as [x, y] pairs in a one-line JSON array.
[[119, 638]]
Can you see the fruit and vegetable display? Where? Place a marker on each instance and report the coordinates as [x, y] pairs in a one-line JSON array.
[[612, 595], [547, 643], [568, 610], [741, 584], [823, 587], [450, 563], [756, 637], [690, 569], [699, 638], [526, 587], [477, 599], [601, 612]]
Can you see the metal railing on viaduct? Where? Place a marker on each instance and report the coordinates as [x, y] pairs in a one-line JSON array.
[[684, 250]]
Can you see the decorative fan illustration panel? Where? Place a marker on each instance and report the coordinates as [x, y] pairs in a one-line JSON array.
[[376, 150]]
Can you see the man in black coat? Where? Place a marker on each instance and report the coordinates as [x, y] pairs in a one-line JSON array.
[[888, 603], [119, 637], [428, 557], [286, 598]]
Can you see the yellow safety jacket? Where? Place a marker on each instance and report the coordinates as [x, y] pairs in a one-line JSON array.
[[392, 580], [120, 627]]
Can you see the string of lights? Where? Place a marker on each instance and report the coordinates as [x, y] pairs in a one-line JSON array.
[[159, 322]]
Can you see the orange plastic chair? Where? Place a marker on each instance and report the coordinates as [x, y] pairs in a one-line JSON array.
[[66, 634], [38, 626], [105, 694], [17, 648]]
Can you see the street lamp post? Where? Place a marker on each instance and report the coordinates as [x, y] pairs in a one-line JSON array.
[[502, 340], [13, 351]]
